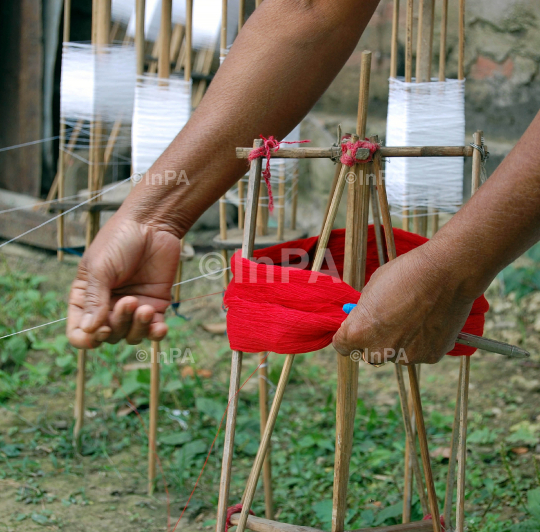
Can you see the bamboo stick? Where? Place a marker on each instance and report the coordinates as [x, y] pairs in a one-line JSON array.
[[465, 369], [424, 44], [263, 409], [451, 476], [337, 172], [189, 40], [225, 256], [241, 187], [78, 412], [461, 44], [294, 198], [241, 14], [281, 203], [409, 41], [442, 53], [139, 35], [354, 275], [333, 152], [236, 364], [152, 428], [62, 142], [394, 45]]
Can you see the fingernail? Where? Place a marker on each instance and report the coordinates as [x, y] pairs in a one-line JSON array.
[[86, 322]]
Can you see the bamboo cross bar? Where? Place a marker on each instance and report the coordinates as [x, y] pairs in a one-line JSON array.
[[334, 152]]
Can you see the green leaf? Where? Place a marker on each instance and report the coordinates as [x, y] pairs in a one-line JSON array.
[[17, 348], [127, 388], [40, 519], [185, 454], [482, 436], [210, 407], [20, 517], [175, 438], [10, 450], [65, 361], [387, 513], [323, 511], [173, 385], [533, 503]]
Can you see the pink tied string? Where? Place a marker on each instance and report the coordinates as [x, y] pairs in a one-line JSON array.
[[265, 150], [237, 508], [429, 518], [351, 160]]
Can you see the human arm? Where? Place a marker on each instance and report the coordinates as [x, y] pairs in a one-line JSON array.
[[284, 58], [420, 301]]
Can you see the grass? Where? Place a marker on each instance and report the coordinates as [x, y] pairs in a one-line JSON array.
[[48, 484]]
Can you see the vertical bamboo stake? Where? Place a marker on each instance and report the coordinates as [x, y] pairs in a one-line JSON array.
[[241, 14], [225, 257], [281, 203], [263, 409], [236, 363], [189, 40], [451, 476], [294, 198], [354, 275], [413, 380], [424, 45], [442, 54], [62, 142], [241, 196], [164, 71], [337, 172], [461, 45], [465, 369], [152, 428], [79, 396], [409, 41], [394, 46], [139, 35]]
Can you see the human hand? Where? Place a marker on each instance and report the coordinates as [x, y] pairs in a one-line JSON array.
[[123, 285], [416, 304]]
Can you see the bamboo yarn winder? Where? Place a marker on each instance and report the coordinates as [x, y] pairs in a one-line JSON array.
[[359, 194]]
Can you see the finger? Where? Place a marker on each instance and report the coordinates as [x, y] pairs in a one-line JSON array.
[[158, 329], [121, 318], [351, 335], [96, 302], [140, 327]]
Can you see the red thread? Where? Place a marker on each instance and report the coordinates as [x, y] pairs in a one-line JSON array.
[[231, 510], [270, 145], [351, 160], [302, 310], [428, 517]]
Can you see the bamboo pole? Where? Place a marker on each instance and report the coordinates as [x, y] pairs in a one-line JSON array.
[[139, 35], [241, 14], [442, 53], [394, 45], [263, 409], [333, 152], [62, 142], [241, 196], [424, 43], [337, 172], [465, 369], [461, 44], [409, 41], [152, 428], [236, 364], [189, 40], [281, 203]]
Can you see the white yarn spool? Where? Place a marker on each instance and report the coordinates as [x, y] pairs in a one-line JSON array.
[[97, 83], [206, 21], [425, 114], [162, 108]]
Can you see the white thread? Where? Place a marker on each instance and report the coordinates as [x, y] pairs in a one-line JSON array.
[[162, 108], [31, 143], [202, 276], [97, 82], [63, 319], [122, 10], [38, 204], [63, 213], [206, 21], [32, 328], [425, 114]]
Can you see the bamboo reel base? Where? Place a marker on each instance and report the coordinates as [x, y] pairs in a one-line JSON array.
[[258, 524]]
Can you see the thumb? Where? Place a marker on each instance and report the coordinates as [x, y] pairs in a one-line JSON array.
[[351, 336], [96, 303]]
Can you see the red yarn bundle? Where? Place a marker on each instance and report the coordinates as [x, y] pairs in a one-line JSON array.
[[276, 304]]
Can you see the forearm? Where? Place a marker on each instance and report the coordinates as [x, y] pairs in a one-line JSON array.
[[500, 221], [282, 61]]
